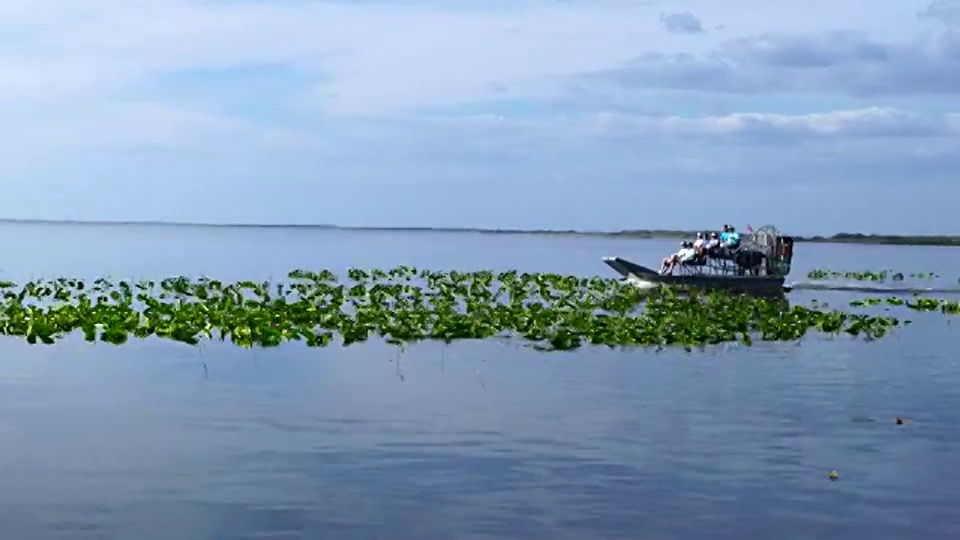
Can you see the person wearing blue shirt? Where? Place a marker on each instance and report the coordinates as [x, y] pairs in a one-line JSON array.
[[733, 239], [725, 234]]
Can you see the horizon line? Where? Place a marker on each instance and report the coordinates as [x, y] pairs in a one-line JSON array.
[[401, 228]]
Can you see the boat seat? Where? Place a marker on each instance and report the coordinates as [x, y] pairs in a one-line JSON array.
[[723, 253], [749, 261]]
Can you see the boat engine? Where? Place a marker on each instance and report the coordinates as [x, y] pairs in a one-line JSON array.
[[776, 249], [784, 257]]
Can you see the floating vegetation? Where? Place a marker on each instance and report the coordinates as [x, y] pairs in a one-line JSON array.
[[406, 305], [947, 307], [883, 275], [866, 302]]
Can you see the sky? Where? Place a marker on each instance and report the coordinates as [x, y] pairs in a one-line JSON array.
[[815, 116]]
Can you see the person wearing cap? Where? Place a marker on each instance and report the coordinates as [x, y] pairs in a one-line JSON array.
[[700, 246], [699, 242], [711, 243], [725, 234], [714, 242], [733, 238], [686, 253]]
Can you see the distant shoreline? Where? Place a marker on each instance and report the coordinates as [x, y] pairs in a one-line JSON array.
[[650, 234]]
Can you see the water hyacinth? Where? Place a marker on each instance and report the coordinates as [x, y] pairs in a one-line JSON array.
[[403, 305], [869, 275]]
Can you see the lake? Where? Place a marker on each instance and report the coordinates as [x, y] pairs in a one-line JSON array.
[[157, 440]]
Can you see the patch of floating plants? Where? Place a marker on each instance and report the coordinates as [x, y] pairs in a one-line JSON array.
[[404, 305], [947, 307], [882, 275]]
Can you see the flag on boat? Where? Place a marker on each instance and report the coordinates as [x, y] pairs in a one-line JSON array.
[[749, 228]]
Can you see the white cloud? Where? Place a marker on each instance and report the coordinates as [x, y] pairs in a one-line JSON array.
[[751, 128], [841, 61], [947, 11], [874, 122], [371, 57], [549, 105], [107, 127]]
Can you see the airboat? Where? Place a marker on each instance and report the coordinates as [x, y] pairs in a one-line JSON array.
[[759, 266]]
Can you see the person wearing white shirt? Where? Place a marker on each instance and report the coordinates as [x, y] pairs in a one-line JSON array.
[[699, 243], [686, 253], [713, 243], [702, 245]]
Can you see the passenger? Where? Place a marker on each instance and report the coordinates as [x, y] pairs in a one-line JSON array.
[[722, 249], [701, 246], [700, 241], [713, 243], [670, 260], [733, 239], [725, 234], [686, 253]]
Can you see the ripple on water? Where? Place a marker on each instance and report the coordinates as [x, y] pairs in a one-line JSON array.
[[731, 443]]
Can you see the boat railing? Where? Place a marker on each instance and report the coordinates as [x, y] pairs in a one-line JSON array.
[[712, 266], [725, 266]]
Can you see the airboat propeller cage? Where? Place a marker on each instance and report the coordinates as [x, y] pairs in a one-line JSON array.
[[776, 249]]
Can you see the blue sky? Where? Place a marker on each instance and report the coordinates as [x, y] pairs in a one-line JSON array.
[[817, 116]]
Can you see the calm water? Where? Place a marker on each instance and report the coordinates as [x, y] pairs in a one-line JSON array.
[[478, 440]]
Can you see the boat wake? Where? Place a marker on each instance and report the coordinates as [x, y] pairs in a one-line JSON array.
[[865, 288]]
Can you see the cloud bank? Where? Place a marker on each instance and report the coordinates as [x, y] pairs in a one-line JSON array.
[[524, 114], [682, 23]]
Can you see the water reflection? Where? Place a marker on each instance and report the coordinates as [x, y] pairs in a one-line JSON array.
[[498, 441], [476, 440]]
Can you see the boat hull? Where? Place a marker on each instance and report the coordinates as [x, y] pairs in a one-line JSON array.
[[645, 277]]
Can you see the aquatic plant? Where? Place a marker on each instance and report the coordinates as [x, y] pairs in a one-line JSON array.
[[404, 305], [882, 275], [947, 307]]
